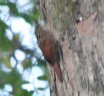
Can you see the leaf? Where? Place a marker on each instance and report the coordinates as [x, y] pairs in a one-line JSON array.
[[27, 17], [26, 63], [5, 43], [41, 63], [2, 2], [12, 7], [8, 78], [44, 77], [3, 26], [6, 61], [41, 89]]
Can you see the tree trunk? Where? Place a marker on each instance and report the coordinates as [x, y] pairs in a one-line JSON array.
[[79, 26]]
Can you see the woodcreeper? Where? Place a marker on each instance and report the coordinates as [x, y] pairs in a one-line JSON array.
[[50, 49]]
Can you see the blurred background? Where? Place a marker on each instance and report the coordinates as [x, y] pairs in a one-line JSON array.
[[22, 68]]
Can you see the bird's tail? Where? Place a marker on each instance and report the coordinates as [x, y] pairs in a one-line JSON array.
[[58, 71]]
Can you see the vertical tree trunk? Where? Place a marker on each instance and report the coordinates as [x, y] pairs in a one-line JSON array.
[[82, 45]]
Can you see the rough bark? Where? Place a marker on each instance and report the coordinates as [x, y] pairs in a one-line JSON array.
[[82, 44]]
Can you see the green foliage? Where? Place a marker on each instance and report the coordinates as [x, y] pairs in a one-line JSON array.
[[14, 79], [27, 17], [5, 43], [27, 63], [41, 89], [9, 46], [44, 77], [3, 27], [42, 65], [12, 7]]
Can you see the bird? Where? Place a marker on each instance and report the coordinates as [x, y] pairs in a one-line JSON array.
[[50, 48]]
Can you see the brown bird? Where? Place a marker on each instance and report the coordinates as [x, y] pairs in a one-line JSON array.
[[50, 49]]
